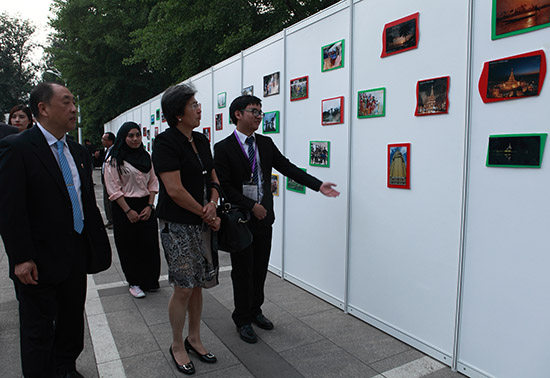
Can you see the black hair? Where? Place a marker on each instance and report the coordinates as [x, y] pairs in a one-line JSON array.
[[240, 103], [174, 100], [25, 109], [43, 92], [110, 136]]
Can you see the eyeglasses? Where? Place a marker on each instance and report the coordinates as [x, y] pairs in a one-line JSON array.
[[255, 112], [196, 105]]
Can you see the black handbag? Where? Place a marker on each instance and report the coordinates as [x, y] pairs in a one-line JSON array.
[[234, 235]]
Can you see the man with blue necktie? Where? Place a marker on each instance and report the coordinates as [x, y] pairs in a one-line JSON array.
[[52, 231]]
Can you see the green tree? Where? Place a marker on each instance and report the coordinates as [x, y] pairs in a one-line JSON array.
[[17, 72], [90, 41]]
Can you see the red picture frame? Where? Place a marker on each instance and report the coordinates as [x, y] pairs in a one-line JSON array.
[[299, 88], [144, 132], [400, 35], [156, 131], [332, 111], [399, 165], [432, 96], [206, 132], [513, 77], [219, 121]]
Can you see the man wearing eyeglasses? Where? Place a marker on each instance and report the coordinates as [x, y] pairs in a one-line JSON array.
[[243, 163]]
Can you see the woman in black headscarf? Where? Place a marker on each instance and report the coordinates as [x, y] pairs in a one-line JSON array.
[[132, 184]]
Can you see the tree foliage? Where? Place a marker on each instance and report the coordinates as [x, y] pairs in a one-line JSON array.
[[17, 72]]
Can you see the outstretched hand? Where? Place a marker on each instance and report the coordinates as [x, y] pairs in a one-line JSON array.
[[328, 190]]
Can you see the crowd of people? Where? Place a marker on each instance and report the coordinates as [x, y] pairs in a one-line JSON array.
[[52, 244]]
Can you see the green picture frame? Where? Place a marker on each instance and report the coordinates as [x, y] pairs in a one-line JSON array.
[[516, 150], [371, 103], [332, 56], [506, 22], [319, 153], [270, 122], [293, 186]]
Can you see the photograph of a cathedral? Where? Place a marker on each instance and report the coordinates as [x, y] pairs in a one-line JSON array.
[[513, 78], [432, 96]]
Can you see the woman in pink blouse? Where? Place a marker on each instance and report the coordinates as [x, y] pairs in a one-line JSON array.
[[132, 186]]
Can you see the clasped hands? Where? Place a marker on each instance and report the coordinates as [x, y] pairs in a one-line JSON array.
[[210, 217], [134, 217]]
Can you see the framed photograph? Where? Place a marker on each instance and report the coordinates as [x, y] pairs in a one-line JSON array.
[[400, 35], [156, 131], [319, 153], [271, 84], [149, 146], [399, 165], [162, 117], [432, 96], [144, 132], [514, 77], [294, 186], [219, 121], [299, 88], [516, 150], [248, 91], [157, 114], [332, 111], [511, 17], [152, 119], [222, 99], [371, 103], [332, 56], [206, 132], [275, 185], [270, 122]]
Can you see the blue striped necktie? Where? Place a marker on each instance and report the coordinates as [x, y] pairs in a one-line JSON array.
[[68, 177], [251, 158]]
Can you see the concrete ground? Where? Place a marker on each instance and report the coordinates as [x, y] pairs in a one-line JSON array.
[[128, 337]]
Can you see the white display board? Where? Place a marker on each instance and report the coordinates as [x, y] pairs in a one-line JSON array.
[[227, 79], [203, 85], [506, 301]]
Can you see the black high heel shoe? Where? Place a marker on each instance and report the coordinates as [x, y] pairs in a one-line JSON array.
[[209, 358], [185, 369]]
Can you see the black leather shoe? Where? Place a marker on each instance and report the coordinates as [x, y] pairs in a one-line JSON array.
[[209, 358], [71, 374], [247, 334], [263, 322], [185, 369]]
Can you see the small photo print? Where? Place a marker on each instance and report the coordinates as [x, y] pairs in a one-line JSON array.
[[400, 35], [157, 113], [319, 153], [516, 150], [206, 133], [511, 17], [299, 88], [432, 96], [332, 56], [332, 111], [162, 117], [371, 103], [399, 165], [144, 132], [219, 121], [270, 122], [275, 185], [248, 91], [294, 186], [222, 99], [271, 84], [152, 119], [513, 78], [156, 131]]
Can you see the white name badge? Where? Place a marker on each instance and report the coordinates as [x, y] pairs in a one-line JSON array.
[[250, 191]]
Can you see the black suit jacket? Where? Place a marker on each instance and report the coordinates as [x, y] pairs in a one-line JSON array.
[[36, 220], [233, 169], [6, 130]]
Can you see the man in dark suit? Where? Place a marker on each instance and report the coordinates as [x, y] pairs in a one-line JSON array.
[[6, 130], [53, 233], [243, 164], [108, 141]]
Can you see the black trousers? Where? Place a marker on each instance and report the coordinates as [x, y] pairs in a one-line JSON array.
[[51, 320], [137, 245], [248, 273]]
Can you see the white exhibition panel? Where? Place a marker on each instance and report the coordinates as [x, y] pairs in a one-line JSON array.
[[506, 298], [263, 59], [203, 85], [405, 243], [227, 78], [315, 227]]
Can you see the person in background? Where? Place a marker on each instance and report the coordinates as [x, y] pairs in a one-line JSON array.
[[187, 213], [244, 161], [21, 117], [6, 130], [52, 231], [132, 186], [108, 141]]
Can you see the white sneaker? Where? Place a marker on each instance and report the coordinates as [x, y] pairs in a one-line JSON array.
[[136, 292]]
